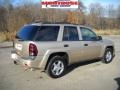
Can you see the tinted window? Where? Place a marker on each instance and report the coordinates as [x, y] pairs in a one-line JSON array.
[[70, 34], [87, 34], [27, 32], [47, 33]]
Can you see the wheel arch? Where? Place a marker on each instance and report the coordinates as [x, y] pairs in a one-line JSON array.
[[104, 50], [110, 47], [63, 54]]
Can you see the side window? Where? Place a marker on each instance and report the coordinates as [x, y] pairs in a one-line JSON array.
[[87, 34], [47, 33], [70, 33]]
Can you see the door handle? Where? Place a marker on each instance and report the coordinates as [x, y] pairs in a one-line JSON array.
[[66, 45], [85, 44]]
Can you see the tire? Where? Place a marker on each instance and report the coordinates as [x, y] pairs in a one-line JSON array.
[[56, 67], [108, 56]]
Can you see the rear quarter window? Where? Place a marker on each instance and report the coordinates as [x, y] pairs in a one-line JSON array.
[[47, 33]]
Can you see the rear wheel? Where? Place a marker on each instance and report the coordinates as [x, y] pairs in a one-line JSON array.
[[108, 56], [56, 67]]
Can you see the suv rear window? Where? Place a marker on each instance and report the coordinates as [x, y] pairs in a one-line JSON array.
[[38, 33], [27, 32]]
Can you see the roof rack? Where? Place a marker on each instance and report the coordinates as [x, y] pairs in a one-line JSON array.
[[56, 23], [41, 22], [38, 21]]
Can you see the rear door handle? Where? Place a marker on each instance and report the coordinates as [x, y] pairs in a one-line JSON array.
[[66, 45], [85, 44]]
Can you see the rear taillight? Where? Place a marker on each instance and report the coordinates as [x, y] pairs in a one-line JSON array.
[[33, 50]]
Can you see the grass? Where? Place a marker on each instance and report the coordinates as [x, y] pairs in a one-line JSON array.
[[108, 32], [9, 36]]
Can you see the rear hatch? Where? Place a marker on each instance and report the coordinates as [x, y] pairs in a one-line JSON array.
[[29, 38], [23, 38]]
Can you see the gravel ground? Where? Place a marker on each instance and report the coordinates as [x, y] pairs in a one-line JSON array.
[[85, 76]]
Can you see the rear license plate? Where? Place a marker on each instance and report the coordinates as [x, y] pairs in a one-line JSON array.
[[14, 56]]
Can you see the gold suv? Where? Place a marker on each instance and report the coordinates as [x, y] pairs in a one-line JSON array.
[[52, 47]]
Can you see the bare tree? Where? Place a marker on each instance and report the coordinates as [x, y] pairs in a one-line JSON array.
[[5, 8], [96, 16], [118, 17]]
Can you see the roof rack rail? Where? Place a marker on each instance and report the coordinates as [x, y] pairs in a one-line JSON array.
[[38, 21], [49, 22], [56, 23]]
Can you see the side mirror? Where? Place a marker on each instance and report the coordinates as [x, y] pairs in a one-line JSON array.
[[99, 37]]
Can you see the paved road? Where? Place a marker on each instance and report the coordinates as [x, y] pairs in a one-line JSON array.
[[87, 76]]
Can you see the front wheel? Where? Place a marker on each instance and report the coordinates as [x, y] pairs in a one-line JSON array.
[[56, 67], [108, 56]]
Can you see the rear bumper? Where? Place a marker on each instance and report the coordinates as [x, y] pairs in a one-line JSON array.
[[27, 62]]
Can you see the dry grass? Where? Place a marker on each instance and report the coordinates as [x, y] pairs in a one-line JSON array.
[[108, 32], [9, 36], [2, 37]]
